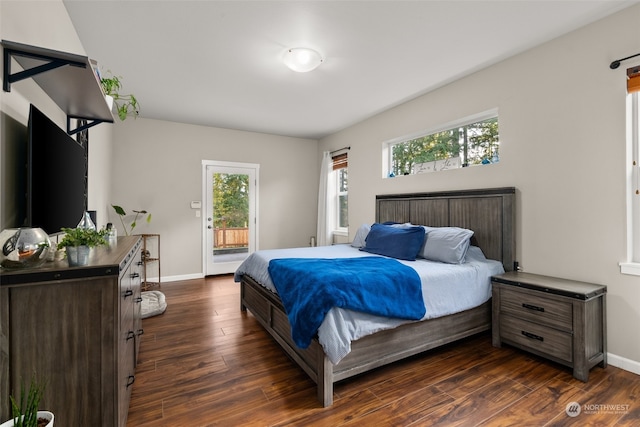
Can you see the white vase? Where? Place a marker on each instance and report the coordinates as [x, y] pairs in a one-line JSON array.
[[41, 414], [78, 255]]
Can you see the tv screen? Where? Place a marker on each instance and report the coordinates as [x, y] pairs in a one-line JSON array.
[[56, 176]]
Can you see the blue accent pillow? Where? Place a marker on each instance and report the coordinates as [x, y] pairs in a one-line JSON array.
[[395, 242]]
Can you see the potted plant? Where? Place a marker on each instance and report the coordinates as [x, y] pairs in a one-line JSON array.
[[121, 212], [25, 411], [79, 241], [126, 105]]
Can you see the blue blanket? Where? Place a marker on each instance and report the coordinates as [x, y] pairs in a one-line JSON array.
[[310, 287]]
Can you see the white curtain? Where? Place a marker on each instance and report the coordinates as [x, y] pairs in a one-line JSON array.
[[323, 235]]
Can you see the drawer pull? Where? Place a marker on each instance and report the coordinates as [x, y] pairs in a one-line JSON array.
[[130, 380], [532, 336], [128, 293], [132, 335], [135, 275], [533, 307]]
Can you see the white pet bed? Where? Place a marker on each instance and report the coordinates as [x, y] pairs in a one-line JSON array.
[[153, 303]]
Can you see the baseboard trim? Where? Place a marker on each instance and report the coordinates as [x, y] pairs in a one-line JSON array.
[[182, 277], [623, 363]]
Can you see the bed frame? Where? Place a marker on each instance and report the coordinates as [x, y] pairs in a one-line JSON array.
[[490, 213]]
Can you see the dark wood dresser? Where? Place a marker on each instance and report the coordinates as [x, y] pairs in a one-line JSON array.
[[562, 320], [77, 329]]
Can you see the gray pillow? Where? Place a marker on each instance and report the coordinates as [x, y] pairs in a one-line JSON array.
[[361, 235], [474, 253], [446, 244]]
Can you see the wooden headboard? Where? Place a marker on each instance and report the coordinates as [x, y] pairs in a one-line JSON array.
[[490, 213]]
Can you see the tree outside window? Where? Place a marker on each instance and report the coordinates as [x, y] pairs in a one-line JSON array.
[[473, 144], [230, 200]]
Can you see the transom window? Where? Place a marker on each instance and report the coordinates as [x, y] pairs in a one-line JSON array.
[[471, 141]]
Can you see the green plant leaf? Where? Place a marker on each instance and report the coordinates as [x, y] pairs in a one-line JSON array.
[[125, 104], [25, 413], [122, 213], [119, 210], [83, 237]]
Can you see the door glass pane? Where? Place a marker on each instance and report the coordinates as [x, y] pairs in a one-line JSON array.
[[230, 217]]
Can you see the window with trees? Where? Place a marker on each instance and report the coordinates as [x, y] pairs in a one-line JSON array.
[[340, 169], [230, 200], [472, 141]]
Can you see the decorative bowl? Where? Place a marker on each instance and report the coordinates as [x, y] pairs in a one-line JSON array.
[[23, 247]]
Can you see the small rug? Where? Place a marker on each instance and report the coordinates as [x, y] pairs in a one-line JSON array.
[[153, 303]]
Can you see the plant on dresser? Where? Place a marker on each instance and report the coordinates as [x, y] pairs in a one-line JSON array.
[[78, 242]]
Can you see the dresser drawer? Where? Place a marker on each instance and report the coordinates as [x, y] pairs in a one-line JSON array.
[[537, 308], [539, 338]]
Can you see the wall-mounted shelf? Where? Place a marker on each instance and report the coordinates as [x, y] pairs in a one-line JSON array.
[[67, 78]]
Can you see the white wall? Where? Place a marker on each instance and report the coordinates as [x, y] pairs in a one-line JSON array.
[[46, 24], [562, 131], [158, 167]]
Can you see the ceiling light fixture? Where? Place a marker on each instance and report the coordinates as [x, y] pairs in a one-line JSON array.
[[302, 59]]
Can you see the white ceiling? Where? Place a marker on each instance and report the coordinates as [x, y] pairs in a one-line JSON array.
[[219, 63]]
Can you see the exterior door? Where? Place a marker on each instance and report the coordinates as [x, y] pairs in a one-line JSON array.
[[230, 215]]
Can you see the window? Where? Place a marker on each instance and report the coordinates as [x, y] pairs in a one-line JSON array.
[[333, 200], [471, 141], [340, 163], [633, 176]]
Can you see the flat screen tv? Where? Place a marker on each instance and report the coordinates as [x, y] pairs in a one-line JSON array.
[[56, 176]]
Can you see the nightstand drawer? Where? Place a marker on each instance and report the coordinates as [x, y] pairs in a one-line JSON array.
[[539, 309], [538, 338]]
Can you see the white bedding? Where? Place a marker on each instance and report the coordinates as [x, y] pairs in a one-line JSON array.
[[446, 289]]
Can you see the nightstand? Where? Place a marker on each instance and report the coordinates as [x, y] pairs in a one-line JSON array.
[[561, 320]]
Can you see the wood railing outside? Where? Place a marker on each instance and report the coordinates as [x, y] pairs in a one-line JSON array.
[[231, 237]]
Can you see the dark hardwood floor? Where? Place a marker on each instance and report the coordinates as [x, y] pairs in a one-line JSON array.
[[205, 363]]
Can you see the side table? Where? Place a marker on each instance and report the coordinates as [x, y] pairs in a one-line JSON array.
[[559, 319]]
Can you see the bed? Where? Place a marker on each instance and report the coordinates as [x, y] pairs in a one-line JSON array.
[[490, 213]]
